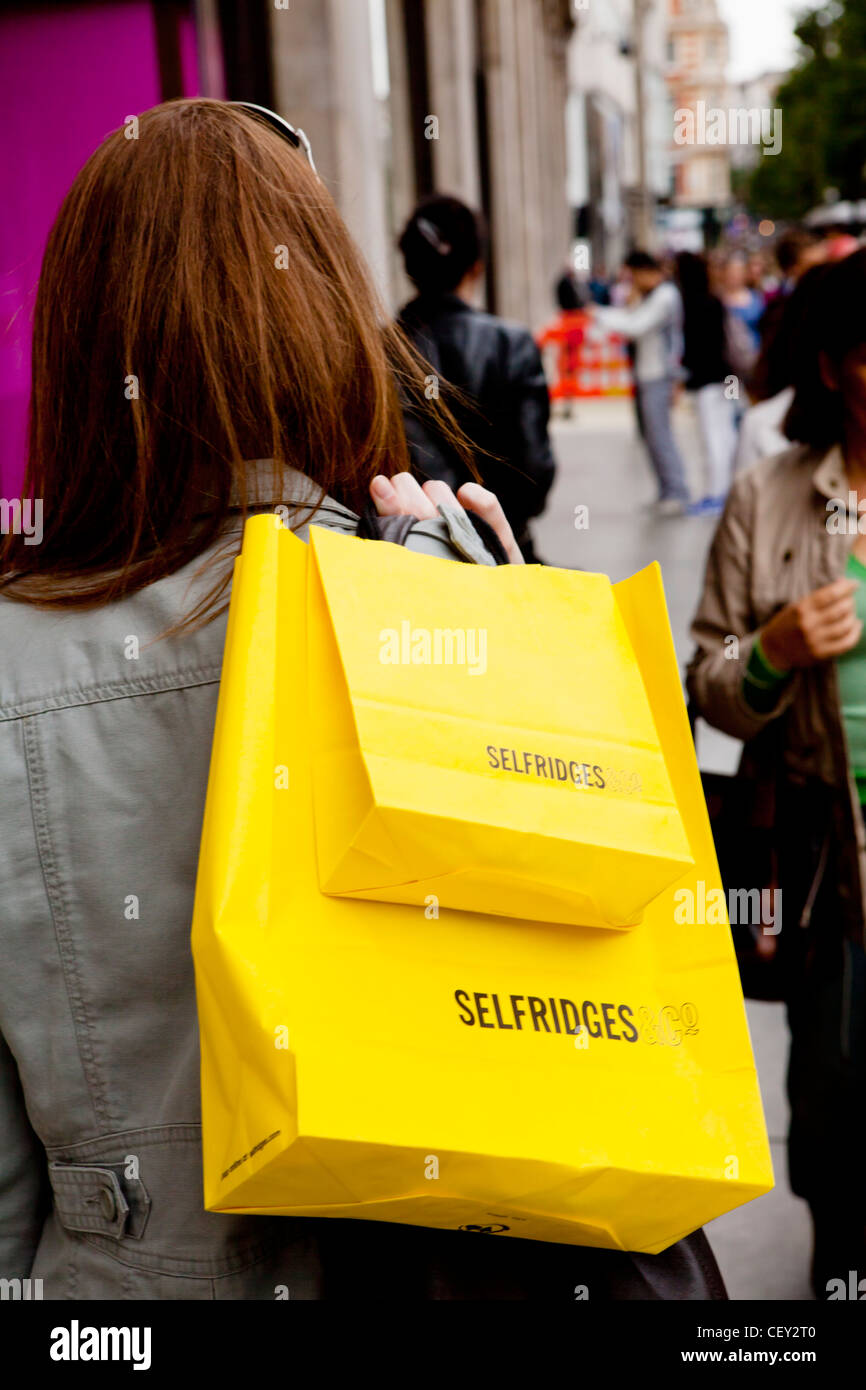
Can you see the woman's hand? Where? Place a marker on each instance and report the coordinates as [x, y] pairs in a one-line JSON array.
[[816, 628], [402, 495]]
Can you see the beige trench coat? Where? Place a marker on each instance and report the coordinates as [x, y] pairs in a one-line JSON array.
[[779, 538]]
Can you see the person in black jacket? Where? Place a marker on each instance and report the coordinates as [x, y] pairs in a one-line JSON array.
[[487, 371]]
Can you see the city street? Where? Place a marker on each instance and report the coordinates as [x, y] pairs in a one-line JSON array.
[[764, 1247], [342, 237]]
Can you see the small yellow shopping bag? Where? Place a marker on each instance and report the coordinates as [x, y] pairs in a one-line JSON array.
[[483, 739]]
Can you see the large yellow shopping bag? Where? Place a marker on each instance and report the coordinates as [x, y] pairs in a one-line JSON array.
[[434, 790]]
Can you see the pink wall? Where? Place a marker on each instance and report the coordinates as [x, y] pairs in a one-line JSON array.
[[68, 75]]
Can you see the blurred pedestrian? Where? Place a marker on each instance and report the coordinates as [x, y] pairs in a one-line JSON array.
[[501, 399], [841, 245], [566, 333], [761, 431], [757, 273], [599, 288], [781, 664], [745, 304], [653, 320], [568, 292], [709, 378], [796, 251]]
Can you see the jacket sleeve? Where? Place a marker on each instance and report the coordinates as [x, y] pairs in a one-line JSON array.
[[636, 320], [533, 455], [24, 1191], [451, 536], [717, 668], [430, 454]]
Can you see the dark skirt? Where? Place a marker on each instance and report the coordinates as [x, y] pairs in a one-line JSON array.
[[825, 986], [411, 1263]]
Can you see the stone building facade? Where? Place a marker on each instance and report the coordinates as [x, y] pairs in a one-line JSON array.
[[697, 78], [404, 97], [619, 127]]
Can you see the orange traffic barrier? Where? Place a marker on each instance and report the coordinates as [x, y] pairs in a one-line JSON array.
[[586, 365]]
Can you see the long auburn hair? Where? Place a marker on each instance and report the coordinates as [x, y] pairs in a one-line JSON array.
[[201, 304]]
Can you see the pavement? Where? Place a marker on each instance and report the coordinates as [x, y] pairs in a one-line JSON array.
[[763, 1248]]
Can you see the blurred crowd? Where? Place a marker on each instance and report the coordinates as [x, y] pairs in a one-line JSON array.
[[723, 326]]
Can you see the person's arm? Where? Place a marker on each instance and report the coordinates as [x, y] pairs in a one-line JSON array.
[[722, 676], [638, 320], [532, 456], [24, 1191], [763, 682]]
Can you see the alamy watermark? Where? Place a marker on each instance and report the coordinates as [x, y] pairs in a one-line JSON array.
[[22, 517], [739, 125], [23, 1290], [742, 907], [846, 518], [438, 646], [77, 1343], [854, 1289]]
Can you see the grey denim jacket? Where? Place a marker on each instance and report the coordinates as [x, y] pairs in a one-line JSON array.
[[105, 738], [103, 769]]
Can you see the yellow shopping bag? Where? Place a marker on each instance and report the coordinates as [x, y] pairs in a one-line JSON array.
[[507, 763], [473, 1048]]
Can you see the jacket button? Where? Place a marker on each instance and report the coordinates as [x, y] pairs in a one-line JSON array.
[[108, 1204]]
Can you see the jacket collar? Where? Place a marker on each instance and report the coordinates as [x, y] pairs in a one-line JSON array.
[[265, 487], [266, 491], [829, 474], [446, 302]]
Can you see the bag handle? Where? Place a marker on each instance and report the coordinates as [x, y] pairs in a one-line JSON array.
[[396, 529]]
